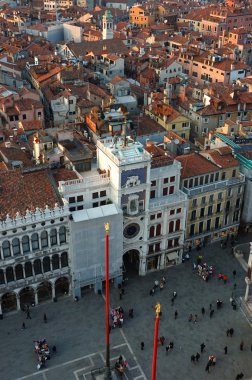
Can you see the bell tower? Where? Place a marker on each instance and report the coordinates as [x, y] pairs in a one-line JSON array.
[[107, 26]]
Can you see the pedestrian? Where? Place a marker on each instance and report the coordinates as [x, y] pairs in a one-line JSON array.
[[228, 332], [193, 359], [234, 273], [207, 367], [241, 345], [225, 279], [220, 276], [121, 294], [202, 347], [190, 318], [28, 315], [152, 291], [221, 243], [239, 376], [162, 340], [174, 294], [211, 313], [171, 344], [23, 326], [203, 311], [197, 356], [176, 314], [195, 318], [45, 318], [54, 349], [231, 331], [172, 301], [225, 350], [131, 313], [161, 286], [164, 280], [167, 349], [210, 306], [142, 346]]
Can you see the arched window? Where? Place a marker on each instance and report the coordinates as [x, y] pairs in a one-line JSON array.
[[25, 244], [62, 235], [158, 230], [152, 232], [53, 236], [171, 226], [9, 274], [6, 249], [177, 228], [35, 242], [44, 239], [46, 264], [55, 262], [1, 277], [19, 272], [28, 269], [37, 267], [16, 247], [64, 260]]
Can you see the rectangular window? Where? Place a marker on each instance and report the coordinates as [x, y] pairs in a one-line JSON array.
[[79, 207], [193, 215], [202, 180], [223, 176], [234, 173], [196, 181], [219, 196], [171, 190], [24, 116], [152, 217], [191, 183], [203, 200], [72, 209], [102, 203], [211, 178], [152, 194], [178, 210], [210, 210], [71, 200], [166, 180], [165, 190], [206, 179], [103, 193], [159, 215], [202, 212], [172, 212], [208, 226], [80, 198], [194, 203], [218, 208], [217, 222], [237, 204], [172, 179], [153, 183], [95, 204], [95, 195], [192, 227], [211, 198], [201, 224]]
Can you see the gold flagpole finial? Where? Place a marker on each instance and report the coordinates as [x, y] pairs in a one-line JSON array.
[[158, 308], [106, 225]]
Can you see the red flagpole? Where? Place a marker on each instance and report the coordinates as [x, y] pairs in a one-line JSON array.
[[108, 373], [154, 358]]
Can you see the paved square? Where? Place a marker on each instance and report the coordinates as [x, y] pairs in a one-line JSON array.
[[78, 329]]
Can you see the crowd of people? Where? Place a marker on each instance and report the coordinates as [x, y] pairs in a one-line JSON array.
[[117, 316], [42, 351]]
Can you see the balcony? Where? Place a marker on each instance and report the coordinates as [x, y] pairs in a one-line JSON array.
[[168, 200], [214, 186]]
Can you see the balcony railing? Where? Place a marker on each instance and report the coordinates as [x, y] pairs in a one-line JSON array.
[[168, 200], [215, 186]]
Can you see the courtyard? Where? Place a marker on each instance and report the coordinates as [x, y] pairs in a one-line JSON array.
[[78, 328]]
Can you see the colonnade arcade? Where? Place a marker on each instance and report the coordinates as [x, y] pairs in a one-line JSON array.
[[34, 294]]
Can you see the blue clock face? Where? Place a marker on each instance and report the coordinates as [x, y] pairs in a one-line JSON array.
[[131, 230]]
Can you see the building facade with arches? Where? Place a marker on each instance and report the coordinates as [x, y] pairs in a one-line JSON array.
[[34, 258]]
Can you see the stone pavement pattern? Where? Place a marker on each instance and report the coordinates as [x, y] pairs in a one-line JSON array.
[[78, 329]]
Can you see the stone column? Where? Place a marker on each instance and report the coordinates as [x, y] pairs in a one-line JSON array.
[[5, 279], [248, 283], [36, 297], [53, 291], [18, 302]]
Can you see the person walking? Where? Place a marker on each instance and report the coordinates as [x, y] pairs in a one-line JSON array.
[[210, 306], [45, 318], [131, 313], [211, 313], [239, 376], [197, 356], [54, 349], [195, 318], [234, 273], [28, 315], [23, 326], [225, 350], [121, 295], [228, 332], [202, 347], [142, 346], [167, 349], [176, 314], [203, 311], [241, 345], [193, 359], [208, 366], [231, 332], [172, 301]]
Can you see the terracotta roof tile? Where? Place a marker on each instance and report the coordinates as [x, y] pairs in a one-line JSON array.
[[194, 165]]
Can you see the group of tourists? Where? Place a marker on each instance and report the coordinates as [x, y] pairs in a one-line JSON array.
[[43, 352], [121, 365], [117, 316]]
